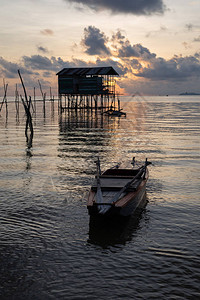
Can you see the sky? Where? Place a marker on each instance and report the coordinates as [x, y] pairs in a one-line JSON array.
[[154, 45]]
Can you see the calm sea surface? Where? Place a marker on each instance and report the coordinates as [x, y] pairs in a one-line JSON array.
[[47, 248]]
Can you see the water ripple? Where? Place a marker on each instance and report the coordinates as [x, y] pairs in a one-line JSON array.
[[49, 247]]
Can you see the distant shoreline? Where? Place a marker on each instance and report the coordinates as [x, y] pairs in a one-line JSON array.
[[189, 94]]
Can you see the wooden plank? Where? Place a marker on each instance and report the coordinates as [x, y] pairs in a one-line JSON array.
[[115, 183], [111, 183], [134, 185], [130, 196]]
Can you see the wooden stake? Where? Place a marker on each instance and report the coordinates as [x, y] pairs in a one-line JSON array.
[[27, 104], [4, 98], [34, 99]]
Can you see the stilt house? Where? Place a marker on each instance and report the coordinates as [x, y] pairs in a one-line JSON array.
[[87, 81], [82, 88]]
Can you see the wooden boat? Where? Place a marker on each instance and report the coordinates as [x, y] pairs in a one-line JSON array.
[[118, 191], [115, 113]]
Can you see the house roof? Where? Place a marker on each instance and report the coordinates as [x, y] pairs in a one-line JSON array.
[[88, 71]]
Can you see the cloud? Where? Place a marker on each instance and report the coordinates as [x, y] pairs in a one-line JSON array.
[[47, 74], [38, 62], [53, 64], [177, 68], [186, 45], [42, 49], [136, 64], [197, 39], [137, 7], [9, 69], [32, 65], [189, 27], [118, 37], [47, 32], [128, 50], [95, 42], [119, 67], [156, 32], [124, 49]]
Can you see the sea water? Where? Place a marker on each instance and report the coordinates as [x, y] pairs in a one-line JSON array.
[[49, 251]]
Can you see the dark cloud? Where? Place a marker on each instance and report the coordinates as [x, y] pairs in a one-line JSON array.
[[118, 37], [42, 49], [95, 42], [137, 7], [9, 69], [119, 67], [135, 64], [52, 64], [38, 62], [47, 74], [177, 68], [128, 50], [144, 52], [47, 32], [189, 27], [32, 65], [125, 50]]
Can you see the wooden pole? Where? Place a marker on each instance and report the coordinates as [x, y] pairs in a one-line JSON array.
[[17, 101], [5, 91], [96, 103], [28, 122], [25, 94], [118, 104], [4, 98], [102, 102], [27, 104], [41, 89], [91, 102], [34, 99], [51, 94], [44, 98]]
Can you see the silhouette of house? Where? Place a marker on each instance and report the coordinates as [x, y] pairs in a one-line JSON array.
[[87, 81]]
